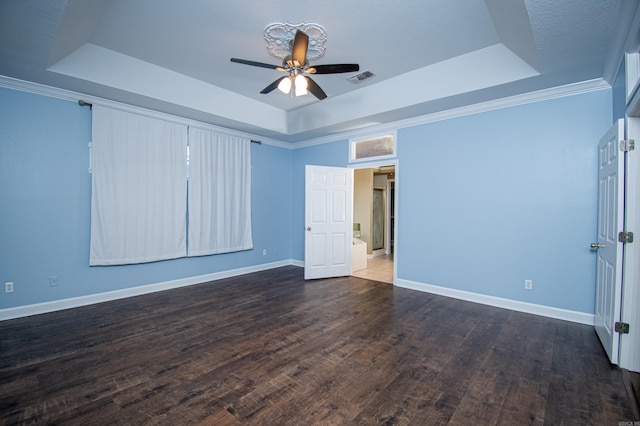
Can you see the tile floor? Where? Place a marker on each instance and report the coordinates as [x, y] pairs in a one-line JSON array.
[[379, 268]]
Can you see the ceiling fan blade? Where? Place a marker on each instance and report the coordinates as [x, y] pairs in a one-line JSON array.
[[299, 48], [270, 88], [336, 68], [315, 90], [255, 64]]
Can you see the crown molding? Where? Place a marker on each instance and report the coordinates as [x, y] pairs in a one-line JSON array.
[[67, 95], [511, 101], [626, 39]]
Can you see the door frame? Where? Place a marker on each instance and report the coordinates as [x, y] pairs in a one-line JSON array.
[[384, 224], [374, 165], [387, 231], [629, 351]]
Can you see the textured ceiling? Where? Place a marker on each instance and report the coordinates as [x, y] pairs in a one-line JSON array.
[[427, 56]]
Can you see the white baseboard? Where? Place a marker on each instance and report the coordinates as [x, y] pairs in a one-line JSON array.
[[74, 302], [514, 305], [58, 305], [378, 252]]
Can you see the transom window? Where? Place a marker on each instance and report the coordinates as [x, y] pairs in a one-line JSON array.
[[372, 147]]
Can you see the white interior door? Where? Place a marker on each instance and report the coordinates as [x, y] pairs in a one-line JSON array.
[[629, 357], [610, 224], [328, 221]]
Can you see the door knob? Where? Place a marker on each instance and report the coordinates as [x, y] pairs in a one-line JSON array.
[[596, 245], [308, 228]]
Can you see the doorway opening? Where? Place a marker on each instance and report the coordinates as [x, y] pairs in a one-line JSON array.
[[374, 224]]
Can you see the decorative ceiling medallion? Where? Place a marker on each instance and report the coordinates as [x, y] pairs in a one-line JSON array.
[[279, 37]]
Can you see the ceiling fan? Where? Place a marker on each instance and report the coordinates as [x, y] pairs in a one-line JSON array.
[[296, 65]]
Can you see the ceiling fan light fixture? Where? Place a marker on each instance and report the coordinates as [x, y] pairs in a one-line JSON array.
[[301, 85], [296, 64], [285, 85]]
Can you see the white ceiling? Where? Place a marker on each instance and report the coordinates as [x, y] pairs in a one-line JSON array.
[[427, 55]]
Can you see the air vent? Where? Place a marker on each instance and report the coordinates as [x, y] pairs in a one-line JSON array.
[[357, 79]]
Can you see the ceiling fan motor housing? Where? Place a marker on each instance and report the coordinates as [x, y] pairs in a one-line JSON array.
[[296, 63]]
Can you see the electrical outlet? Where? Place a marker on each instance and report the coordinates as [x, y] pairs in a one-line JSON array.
[[264, 252], [528, 284], [8, 287], [53, 281]]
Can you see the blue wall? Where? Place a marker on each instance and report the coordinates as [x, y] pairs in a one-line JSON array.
[[485, 202], [489, 200], [45, 208], [505, 196]]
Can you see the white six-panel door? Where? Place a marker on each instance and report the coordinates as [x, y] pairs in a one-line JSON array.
[[610, 224], [328, 221]]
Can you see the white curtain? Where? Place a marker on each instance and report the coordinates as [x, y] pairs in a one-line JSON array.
[[139, 190], [219, 193]]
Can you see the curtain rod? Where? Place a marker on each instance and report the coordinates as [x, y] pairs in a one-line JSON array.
[[84, 103]]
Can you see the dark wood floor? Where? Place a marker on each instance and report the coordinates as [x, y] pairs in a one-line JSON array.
[[270, 348]]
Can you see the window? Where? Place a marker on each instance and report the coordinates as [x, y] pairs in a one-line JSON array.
[[373, 147], [139, 193]]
